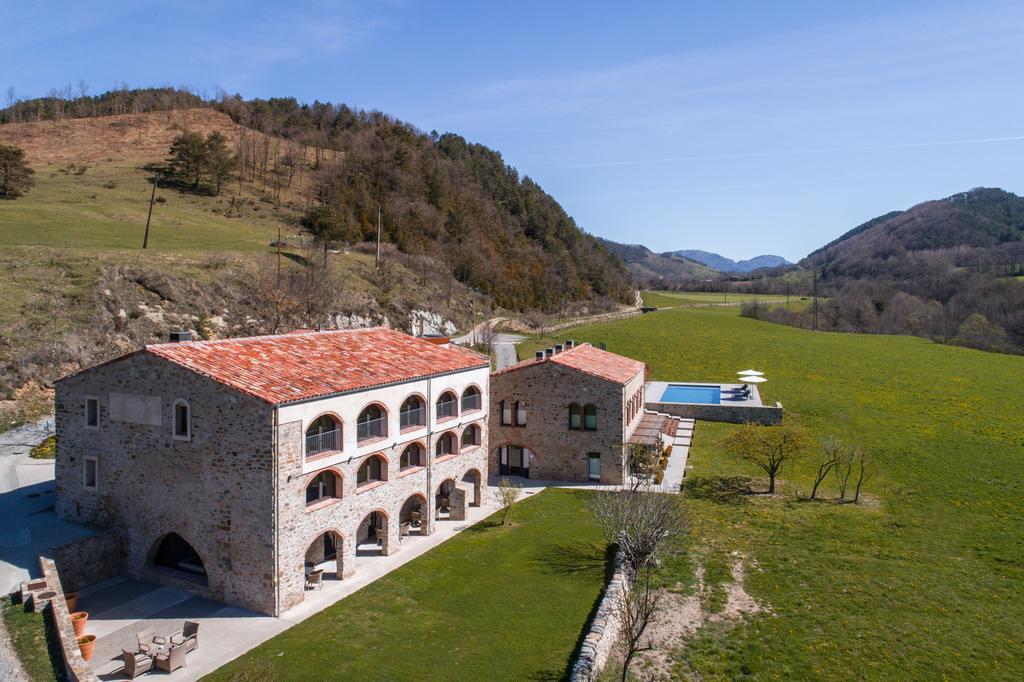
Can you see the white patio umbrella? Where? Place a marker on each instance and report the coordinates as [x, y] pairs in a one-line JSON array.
[[751, 373], [753, 380]]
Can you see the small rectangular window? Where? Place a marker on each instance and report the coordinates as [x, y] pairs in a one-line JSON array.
[[506, 413], [182, 430], [92, 412], [520, 413], [90, 473]]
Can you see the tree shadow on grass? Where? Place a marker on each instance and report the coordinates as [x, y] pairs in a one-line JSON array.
[[589, 561], [484, 526], [721, 489]]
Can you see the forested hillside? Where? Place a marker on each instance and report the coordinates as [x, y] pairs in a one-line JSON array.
[[651, 270]]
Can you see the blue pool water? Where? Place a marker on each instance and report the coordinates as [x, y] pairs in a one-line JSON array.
[[705, 395]]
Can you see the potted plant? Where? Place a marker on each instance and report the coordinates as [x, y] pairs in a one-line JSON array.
[[86, 644], [71, 599], [78, 620]]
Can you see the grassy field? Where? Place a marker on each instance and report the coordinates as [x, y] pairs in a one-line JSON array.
[[926, 580], [492, 603], [27, 631], [669, 299]]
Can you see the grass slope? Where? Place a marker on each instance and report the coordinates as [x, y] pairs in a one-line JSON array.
[[39, 655], [492, 603], [669, 299], [926, 581]]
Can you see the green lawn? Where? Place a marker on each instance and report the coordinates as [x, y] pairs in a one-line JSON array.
[[28, 633], [667, 299], [927, 580], [492, 603]]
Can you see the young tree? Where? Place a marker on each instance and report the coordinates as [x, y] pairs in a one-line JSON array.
[[218, 160], [15, 174], [637, 608], [643, 462], [187, 160], [645, 525], [863, 464], [769, 447], [830, 449], [508, 495], [326, 224]]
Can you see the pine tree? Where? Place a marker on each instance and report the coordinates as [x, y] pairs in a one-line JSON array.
[[15, 174], [219, 162], [188, 153]]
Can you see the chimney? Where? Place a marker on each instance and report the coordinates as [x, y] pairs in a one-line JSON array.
[[549, 352], [569, 343], [559, 348], [180, 336], [539, 355]]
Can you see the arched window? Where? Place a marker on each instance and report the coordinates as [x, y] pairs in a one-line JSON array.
[[323, 435], [412, 413], [590, 418], [324, 486], [372, 423], [447, 406], [373, 469], [471, 399], [471, 436], [446, 445], [574, 416], [506, 413], [520, 413], [182, 420], [412, 456]]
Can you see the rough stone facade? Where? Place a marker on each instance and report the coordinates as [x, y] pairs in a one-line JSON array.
[[604, 629], [734, 414], [558, 452], [90, 559], [236, 489]]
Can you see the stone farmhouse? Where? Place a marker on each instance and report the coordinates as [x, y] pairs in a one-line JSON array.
[[566, 415], [234, 467]]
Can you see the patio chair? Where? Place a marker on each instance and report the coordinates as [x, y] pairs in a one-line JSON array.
[[415, 518], [136, 663], [147, 638], [172, 660], [403, 530], [187, 636], [315, 579]]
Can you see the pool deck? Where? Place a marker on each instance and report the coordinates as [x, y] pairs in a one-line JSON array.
[[732, 408], [655, 389]]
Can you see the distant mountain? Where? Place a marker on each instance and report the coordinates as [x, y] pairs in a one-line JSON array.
[[652, 270], [723, 264], [983, 227]]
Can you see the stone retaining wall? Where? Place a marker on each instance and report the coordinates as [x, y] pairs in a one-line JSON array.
[[604, 629], [733, 414], [76, 667], [90, 559]]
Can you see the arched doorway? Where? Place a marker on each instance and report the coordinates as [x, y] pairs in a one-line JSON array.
[[326, 554], [414, 517], [472, 481], [372, 535], [450, 502], [173, 556]]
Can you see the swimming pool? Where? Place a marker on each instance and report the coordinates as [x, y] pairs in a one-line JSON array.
[[692, 393]]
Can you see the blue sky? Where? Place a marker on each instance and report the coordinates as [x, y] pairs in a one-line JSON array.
[[741, 128]]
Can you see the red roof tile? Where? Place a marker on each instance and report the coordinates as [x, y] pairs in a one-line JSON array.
[[300, 365], [589, 360]]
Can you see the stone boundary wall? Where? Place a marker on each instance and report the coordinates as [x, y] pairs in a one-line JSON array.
[[90, 559], [604, 629], [76, 667], [733, 414]]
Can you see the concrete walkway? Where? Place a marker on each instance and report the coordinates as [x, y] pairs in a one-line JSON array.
[[28, 524], [121, 607], [672, 482]]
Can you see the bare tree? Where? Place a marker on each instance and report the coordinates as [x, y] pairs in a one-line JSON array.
[[769, 447], [846, 458], [645, 525], [863, 464], [830, 449], [643, 462], [508, 495], [637, 608]]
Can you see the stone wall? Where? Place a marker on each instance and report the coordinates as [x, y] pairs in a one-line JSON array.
[[90, 559], [214, 490], [77, 669], [604, 628], [558, 452], [738, 414]]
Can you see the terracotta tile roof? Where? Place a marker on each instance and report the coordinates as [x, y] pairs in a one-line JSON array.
[[309, 364], [651, 428], [589, 360]]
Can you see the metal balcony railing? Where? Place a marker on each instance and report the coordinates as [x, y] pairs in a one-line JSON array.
[[448, 408], [372, 428], [324, 441], [470, 402]]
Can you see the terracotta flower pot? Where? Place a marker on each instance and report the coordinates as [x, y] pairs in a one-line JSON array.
[[86, 645], [78, 620], [71, 599]]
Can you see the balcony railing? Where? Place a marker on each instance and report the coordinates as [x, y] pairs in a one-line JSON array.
[[470, 402], [372, 428], [448, 408], [325, 441], [414, 417]]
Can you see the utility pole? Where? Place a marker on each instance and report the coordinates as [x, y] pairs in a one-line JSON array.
[[815, 300], [278, 256], [376, 263], [152, 198]]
